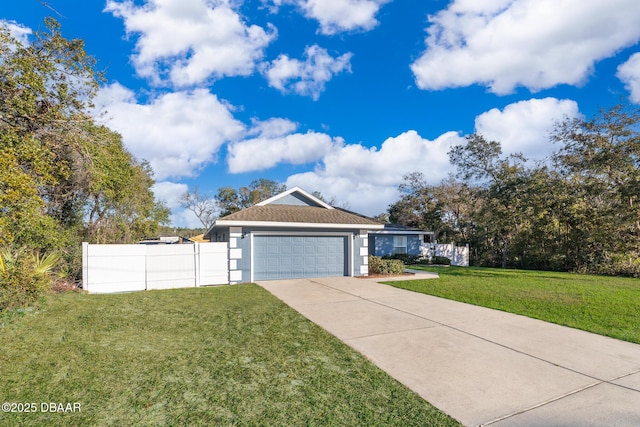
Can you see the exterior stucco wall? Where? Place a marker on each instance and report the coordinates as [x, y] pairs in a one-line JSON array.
[[239, 256], [361, 254], [382, 244], [413, 245], [241, 250]]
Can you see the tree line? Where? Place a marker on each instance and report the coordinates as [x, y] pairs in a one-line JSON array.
[[577, 210], [64, 177]]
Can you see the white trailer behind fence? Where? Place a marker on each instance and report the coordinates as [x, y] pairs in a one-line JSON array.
[[124, 268]]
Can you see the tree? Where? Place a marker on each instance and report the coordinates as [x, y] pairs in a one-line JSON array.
[[44, 88], [477, 159], [600, 160], [259, 190], [231, 200], [205, 208], [579, 211], [502, 185], [459, 204], [417, 206], [63, 177]]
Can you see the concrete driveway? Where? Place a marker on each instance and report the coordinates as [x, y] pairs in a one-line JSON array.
[[481, 366]]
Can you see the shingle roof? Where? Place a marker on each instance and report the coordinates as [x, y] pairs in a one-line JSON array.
[[302, 214]]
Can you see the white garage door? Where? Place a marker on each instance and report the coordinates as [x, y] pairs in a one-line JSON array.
[[289, 257]]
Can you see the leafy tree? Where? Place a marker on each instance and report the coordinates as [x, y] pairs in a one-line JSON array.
[[43, 91], [600, 159], [228, 200], [119, 204], [446, 208], [502, 183], [417, 206], [259, 190], [63, 177], [579, 211], [231, 200], [459, 204]]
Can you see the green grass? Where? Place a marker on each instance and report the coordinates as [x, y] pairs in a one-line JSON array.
[[604, 305], [205, 356]]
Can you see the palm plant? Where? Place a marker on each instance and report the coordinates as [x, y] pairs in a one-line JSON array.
[[26, 276], [44, 264]]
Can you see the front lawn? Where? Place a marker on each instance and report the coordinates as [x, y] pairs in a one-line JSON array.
[[600, 304], [232, 355]]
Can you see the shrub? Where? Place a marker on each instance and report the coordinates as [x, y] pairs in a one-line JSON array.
[[24, 278], [443, 260], [422, 261], [620, 265], [378, 265], [405, 258]]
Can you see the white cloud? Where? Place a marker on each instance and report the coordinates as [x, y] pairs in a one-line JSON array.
[[360, 196], [308, 77], [17, 31], [272, 128], [276, 143], [178, 133], [526, 125], [192, 41], [336, 16], [169, 192], [366, 178], [533, 43], [629, 74]]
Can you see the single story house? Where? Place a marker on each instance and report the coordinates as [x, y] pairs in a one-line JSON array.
[[295, 234]]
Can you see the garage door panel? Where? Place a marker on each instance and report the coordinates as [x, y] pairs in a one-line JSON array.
[[277, 257]]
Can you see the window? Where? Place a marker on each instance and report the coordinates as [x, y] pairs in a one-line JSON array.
[[399, 244]]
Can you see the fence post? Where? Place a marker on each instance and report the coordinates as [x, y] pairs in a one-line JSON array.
[[197, 262], [85, 266]]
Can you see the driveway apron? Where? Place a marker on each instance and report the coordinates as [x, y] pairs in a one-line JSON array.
[[481, 366]]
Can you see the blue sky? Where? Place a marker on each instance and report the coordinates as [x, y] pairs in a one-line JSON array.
[[341, 96]]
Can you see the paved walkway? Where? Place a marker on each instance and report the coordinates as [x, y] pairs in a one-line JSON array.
[[481, 366]]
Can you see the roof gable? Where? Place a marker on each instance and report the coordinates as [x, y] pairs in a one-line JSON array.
[[295, 197], [295, 208]]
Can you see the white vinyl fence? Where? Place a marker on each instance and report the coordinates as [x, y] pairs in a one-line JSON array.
[[459, 255], [123, 268]]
